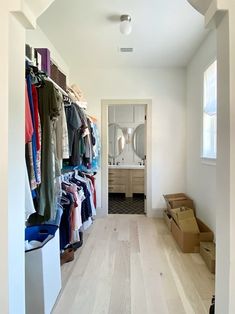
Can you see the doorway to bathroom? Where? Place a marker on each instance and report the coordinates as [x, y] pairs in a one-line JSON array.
[[106, 165], [126, 158]]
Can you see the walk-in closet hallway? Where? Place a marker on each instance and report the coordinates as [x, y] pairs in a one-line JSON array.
[[131, 264]]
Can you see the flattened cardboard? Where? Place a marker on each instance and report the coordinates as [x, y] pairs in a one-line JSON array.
[[181, 213], [185, 219], [189, 225], [207, 251], [190, 242]]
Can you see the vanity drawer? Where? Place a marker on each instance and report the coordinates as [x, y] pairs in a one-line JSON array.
[[137, 173], [118, 173], [138, 180], [138, 188], [117, 180], [117, 188]]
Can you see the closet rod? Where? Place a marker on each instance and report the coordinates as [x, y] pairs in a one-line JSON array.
[[58, 87], [29, 60]]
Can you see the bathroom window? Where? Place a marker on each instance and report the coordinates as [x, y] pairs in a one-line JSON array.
[[209, 146]]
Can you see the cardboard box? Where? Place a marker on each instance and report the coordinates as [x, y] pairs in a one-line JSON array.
[[178, 200], [207, 251], [189, 242], [185, 219], [181, 213], [178, 203], [168, 219]]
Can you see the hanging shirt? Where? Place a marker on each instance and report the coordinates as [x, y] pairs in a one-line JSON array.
[[34, 145], [49, 110], [37, 132], [62, 145], [36, 117], [29, 206], [30, 165], [74, 124], [28, 118]]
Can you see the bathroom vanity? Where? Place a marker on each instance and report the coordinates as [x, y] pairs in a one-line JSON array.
[[126, 179]]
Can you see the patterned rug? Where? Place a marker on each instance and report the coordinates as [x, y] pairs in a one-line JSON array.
[[119, 204]]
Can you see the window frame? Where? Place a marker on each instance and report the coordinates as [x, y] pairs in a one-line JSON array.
[[211, 161]]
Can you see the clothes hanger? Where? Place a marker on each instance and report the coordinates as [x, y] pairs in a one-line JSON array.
[[67, 101], [78, 174], [64, 200]]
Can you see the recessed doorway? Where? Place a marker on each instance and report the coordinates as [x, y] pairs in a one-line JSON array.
[[126, 159], [126, 156]]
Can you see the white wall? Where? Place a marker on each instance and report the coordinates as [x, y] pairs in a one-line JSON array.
[[37, 39], [166, 88], [12, 175], [201, 177]]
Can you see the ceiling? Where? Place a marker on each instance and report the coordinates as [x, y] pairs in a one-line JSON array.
[[86, 33]]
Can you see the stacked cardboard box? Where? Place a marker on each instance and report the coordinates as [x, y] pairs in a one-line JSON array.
[[178, 200], [187, 230]]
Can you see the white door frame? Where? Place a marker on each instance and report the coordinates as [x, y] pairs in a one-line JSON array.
[[105, 103]]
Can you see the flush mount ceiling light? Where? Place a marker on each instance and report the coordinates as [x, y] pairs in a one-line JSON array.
[[125, 25]]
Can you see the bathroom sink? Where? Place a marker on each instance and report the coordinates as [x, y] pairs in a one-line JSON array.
[[126, 167]]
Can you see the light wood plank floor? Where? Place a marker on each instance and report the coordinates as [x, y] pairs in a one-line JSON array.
[[131, 264]]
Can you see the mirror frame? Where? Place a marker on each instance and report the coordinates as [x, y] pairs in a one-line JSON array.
[[117, 125], [133, 140]]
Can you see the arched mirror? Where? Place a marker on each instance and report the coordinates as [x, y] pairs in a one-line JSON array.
[[116, 140], [139, 140]]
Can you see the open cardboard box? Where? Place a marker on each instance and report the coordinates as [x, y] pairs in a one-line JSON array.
[[190, 242], [185, 219], [178, 200]]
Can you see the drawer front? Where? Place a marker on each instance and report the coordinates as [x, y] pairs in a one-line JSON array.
[[118, 173], [137, 173], [138, 188], [116, 188], [137, 181], [117, 180]]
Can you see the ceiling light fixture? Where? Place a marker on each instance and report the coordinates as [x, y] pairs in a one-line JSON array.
[[125, 25]]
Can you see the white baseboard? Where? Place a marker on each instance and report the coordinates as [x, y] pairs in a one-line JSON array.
[[152, 213], [100, 213], [155, 213]]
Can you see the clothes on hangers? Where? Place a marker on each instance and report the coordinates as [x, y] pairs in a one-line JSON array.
[[84, 145], [28, 118], [57, 130], [78, 207], [29, 205], [49, 110]]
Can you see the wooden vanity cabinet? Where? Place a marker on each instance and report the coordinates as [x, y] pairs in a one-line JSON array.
[[126, 181]]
